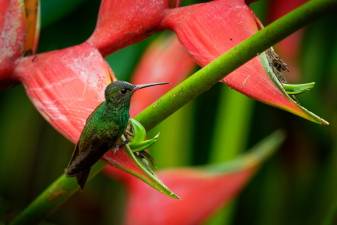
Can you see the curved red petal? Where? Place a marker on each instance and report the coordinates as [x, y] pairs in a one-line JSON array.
[[122, 22], [66, 85], [12, 34], [209, 29], [202, 190], [200, 193]]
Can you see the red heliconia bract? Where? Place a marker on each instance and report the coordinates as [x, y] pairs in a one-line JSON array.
[[166, 60], [12, 37], [289, 48], [123, 22], [209, 29], [65, 85], [201, 192]]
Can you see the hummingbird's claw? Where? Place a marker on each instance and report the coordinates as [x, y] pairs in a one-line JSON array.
[[125, 142], [115, 149], [119, 143]]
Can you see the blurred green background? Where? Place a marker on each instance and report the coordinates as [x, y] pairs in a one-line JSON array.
[[297, 186]]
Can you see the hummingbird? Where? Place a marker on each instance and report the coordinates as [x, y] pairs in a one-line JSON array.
[[103, 128]]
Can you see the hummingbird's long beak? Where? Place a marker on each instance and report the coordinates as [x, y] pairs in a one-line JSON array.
[[140, 86]]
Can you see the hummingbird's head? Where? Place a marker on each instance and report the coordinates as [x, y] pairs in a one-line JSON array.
[[120, 92]]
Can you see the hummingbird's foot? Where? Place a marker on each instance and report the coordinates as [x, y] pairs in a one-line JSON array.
[[129, 132], [115, 149], [125, 142], [119, 143]]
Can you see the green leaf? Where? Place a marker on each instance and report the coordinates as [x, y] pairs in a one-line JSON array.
[[138, 132], [142, 145], [298, 109], [138, 140], [294, 89], [150, 178], [257, 154]]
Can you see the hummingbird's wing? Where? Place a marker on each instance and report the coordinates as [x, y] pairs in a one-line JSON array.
[[73, 157], [81, 176], [75, 154], [83, 144], [98, 136]]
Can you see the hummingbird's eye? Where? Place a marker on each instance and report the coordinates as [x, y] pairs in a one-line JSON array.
[[123, 91]]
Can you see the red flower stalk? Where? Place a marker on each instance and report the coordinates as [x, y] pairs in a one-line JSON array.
[[209, 29], [19, 32]]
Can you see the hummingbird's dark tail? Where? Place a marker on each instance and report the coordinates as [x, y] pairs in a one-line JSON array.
[[73, 170], [82, 177]]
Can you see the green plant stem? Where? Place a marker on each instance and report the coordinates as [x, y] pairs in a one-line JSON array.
[[331, 217], [51, 198], [174, 148], [230, 135], [232, 126], [193, 86]]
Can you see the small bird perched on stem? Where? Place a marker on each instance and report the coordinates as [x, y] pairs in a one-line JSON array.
[[103, 128]]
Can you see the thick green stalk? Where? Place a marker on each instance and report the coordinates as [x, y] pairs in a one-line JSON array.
[[193, 86], [331, 217], [51, 198], [232, 126], [174, 148], [231, 133]]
